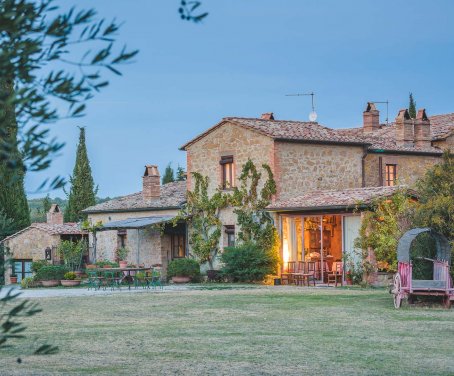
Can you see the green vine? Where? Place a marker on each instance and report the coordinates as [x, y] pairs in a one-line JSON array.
[[201, 212]]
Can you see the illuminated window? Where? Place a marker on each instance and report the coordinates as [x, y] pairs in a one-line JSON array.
[[391, 174], [178, 246], [228, 172]]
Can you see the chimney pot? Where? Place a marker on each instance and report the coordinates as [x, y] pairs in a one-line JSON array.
[[422, 130], [267, 116], [371, 118], [55, 215], [404, 129], [151, 183]]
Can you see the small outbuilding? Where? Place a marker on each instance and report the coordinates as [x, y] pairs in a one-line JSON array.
[[39, 241]]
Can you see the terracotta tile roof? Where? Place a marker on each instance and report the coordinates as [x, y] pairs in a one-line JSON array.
[[381, 139], [334, 199], [173, 195], [286, 130], [68, 228], [384, 137]]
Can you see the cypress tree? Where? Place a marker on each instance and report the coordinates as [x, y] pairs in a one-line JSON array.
[[169, 175], [412, 107], [13, 201], [83, 192], [181, 174], [47, 203]]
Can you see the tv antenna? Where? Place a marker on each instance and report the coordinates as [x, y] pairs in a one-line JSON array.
[[313, 114], [387, 109]]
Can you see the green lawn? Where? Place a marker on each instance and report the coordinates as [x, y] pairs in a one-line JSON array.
[[254, 331]]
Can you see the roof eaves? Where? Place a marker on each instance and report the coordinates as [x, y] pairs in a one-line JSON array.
[[408, 152], [131, 210], [321, 142]]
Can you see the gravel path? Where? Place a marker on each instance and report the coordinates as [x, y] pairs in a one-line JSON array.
[[59, 292]]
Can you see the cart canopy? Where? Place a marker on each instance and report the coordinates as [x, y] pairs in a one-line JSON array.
[[442, 244]]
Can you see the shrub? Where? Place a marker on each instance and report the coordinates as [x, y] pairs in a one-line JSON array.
[[51, 272], [184, 267], [27, 282], [102, 263], [70, 276], [72, 253], [122, 253], [249, 263], [38, 264]]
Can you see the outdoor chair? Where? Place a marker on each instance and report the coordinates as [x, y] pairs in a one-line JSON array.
[[110, 280], [299, 274], [156, 279], [140, 279], [289, 274], [94, 281], [336, 274], [309, 272]]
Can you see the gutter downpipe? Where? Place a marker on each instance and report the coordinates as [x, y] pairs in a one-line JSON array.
[[363, 166]]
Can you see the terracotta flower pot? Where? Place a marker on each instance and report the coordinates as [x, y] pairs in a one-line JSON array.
[[70, 282], [179, 279], [107, 267], [123, 264], [50, 283], [13, 279], [91, 266], [79, 273]]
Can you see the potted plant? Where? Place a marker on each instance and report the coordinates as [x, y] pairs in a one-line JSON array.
[[13, 278], [122, 255], [348, 278], [183, 270], [51, 275], [70, 280]]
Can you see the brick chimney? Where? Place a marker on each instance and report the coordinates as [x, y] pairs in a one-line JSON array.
[[267, 116], [423, 135], [404, 129], [371, 118], [151, 183], [55, 215]]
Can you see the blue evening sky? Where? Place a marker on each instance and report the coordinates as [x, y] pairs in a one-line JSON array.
[[241, 61]]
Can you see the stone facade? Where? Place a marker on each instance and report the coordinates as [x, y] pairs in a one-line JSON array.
[[154, 247], [446, 144], [409, 168], [229, 139], [302, 167]]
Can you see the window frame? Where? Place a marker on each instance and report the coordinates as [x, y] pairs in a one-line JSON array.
[[230, 232], [390, 174], [178, 240], [227, 164], [22, 273]]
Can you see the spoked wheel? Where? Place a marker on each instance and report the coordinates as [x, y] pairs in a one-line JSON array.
[[397, 291]]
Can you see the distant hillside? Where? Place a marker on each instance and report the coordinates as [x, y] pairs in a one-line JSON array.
[[37, 213]]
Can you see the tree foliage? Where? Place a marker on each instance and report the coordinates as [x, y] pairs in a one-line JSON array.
[[412, 107], [181, 174], [72, 253], [50, 64], [83, 192], [382, 227], [169, 174], [436, 196]]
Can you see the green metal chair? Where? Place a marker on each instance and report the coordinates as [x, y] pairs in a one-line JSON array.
[[140, 279], [110, 280], [156, 279], [93, 280]]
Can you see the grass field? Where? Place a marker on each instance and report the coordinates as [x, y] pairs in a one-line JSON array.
[[256, 331]]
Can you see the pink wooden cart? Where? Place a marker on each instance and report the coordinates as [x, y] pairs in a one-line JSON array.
[[405, 287]]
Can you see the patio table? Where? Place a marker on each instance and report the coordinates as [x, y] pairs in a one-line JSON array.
[[124, 271]]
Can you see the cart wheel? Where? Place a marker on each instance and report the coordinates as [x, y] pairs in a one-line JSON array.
[[397, 291]]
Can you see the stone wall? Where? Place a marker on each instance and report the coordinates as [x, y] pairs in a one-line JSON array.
[[409, 167], [30, 245], [150, 241], [448, 143], [229, 139], [306, 167]]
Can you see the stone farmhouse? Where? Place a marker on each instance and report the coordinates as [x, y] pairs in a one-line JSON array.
[[321, 174], [40, 241]]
